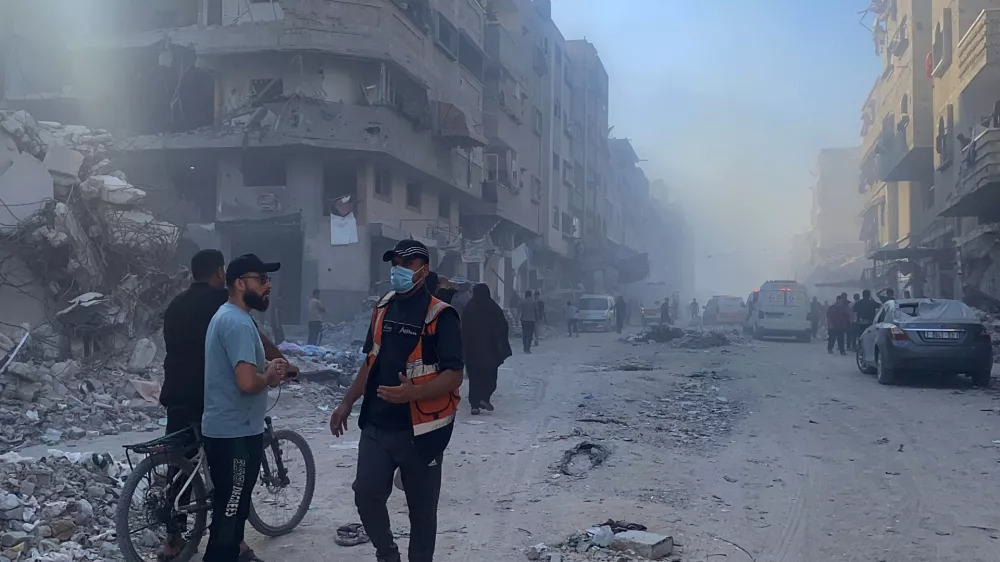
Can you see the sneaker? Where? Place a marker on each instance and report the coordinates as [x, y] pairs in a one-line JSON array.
[[843, 353], [475, 411], [830, 351], [485, 404], [248, 556]]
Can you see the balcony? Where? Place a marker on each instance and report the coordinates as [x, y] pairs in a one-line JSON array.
[[978, 53], [977, 192], [505, 52], [500, 201], [375, 130]]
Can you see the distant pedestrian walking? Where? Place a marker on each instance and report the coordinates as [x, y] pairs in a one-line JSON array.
[[838, 320], [486, 344], [316, 311], [665, 313], [528, 310], [815, 312], [571, 326], [540, 319], [620, 312]]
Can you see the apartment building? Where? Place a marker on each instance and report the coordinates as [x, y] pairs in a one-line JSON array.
[[320, 132], [591, 164], [897, 172], [962, 215], [269, 120]]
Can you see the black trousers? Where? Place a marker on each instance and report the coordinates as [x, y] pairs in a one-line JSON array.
[[527, 334], [572, 328], [315, 332], [815, 326], [379, 454], [835, 336], [482, 383], [234, 465], [620, 322]]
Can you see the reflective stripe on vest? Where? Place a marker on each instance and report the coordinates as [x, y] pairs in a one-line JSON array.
[[425, 415]]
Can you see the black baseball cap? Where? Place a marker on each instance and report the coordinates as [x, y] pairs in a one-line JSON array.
[[248, 263], [407, 250]]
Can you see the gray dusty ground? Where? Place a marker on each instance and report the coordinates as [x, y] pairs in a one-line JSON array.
[[778, 447]]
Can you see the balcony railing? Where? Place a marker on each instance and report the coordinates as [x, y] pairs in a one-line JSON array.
[[978, 51], [978, 187], [502, 49]]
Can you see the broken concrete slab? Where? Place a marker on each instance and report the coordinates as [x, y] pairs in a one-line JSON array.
[[84, 252], [142, 356], [25, 188], [63, 163], [645, 544]]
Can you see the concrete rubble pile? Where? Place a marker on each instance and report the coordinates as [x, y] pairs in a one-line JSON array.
[[105, 262], [323, 362], [59, 508], [992, 323], [689, 339], [52, 402], [613, 541]]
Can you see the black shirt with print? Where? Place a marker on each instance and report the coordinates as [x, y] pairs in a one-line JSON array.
[[401, 329]]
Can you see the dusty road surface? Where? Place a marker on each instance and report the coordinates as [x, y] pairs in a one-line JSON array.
[[777, 447]]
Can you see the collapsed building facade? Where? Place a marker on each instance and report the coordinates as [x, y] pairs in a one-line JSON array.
[[320, 133]]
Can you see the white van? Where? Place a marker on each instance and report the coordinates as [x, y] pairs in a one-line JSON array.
[[596, 312], [779, 308]]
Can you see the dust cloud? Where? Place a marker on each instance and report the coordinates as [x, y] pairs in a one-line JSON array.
[[729, 102]]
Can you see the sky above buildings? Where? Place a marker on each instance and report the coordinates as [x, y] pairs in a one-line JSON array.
[[729, 101]]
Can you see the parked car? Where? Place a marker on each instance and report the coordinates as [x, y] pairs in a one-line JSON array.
[[596, 312], [940, 336], [723, 309]]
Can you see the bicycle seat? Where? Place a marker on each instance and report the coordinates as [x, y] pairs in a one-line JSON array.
[[178, 440]]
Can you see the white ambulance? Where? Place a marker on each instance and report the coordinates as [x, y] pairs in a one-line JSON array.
[[779, 308]]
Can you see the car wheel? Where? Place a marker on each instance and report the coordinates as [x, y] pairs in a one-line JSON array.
[[982, 379], [859, 358], [885, 375], [805, 338], [758, 335]]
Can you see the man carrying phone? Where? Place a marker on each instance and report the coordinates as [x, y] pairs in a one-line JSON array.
[[237, 377]]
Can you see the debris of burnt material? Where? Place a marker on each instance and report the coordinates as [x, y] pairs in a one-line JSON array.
[[596, 452]]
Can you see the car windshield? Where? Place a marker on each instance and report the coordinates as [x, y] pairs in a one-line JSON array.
[[935, 310], [593, 303]]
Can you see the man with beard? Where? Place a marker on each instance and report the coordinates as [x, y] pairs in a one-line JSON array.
[[237, 377], [185, 324], [409, 380]]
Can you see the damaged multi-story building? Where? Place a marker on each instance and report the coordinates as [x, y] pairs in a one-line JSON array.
[[829, 253], [319, 133], [897, 172], [962, 215]]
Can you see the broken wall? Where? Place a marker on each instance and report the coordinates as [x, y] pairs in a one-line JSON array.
[[23, 298]]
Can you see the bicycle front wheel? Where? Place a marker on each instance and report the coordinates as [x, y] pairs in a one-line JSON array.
[[145, 516], [286, 484]]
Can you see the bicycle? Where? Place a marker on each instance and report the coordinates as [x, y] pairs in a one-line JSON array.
[[180, 499]]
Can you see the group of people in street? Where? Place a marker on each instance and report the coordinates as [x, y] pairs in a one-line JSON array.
[[847, 320], [419, 347]]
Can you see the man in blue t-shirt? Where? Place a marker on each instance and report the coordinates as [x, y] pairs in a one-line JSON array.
[[237, 377]]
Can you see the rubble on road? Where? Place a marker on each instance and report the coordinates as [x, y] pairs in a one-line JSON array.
[[692, 413], [595, 452], [323, 362], [59, 508], [688, 339], [611, 541]]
